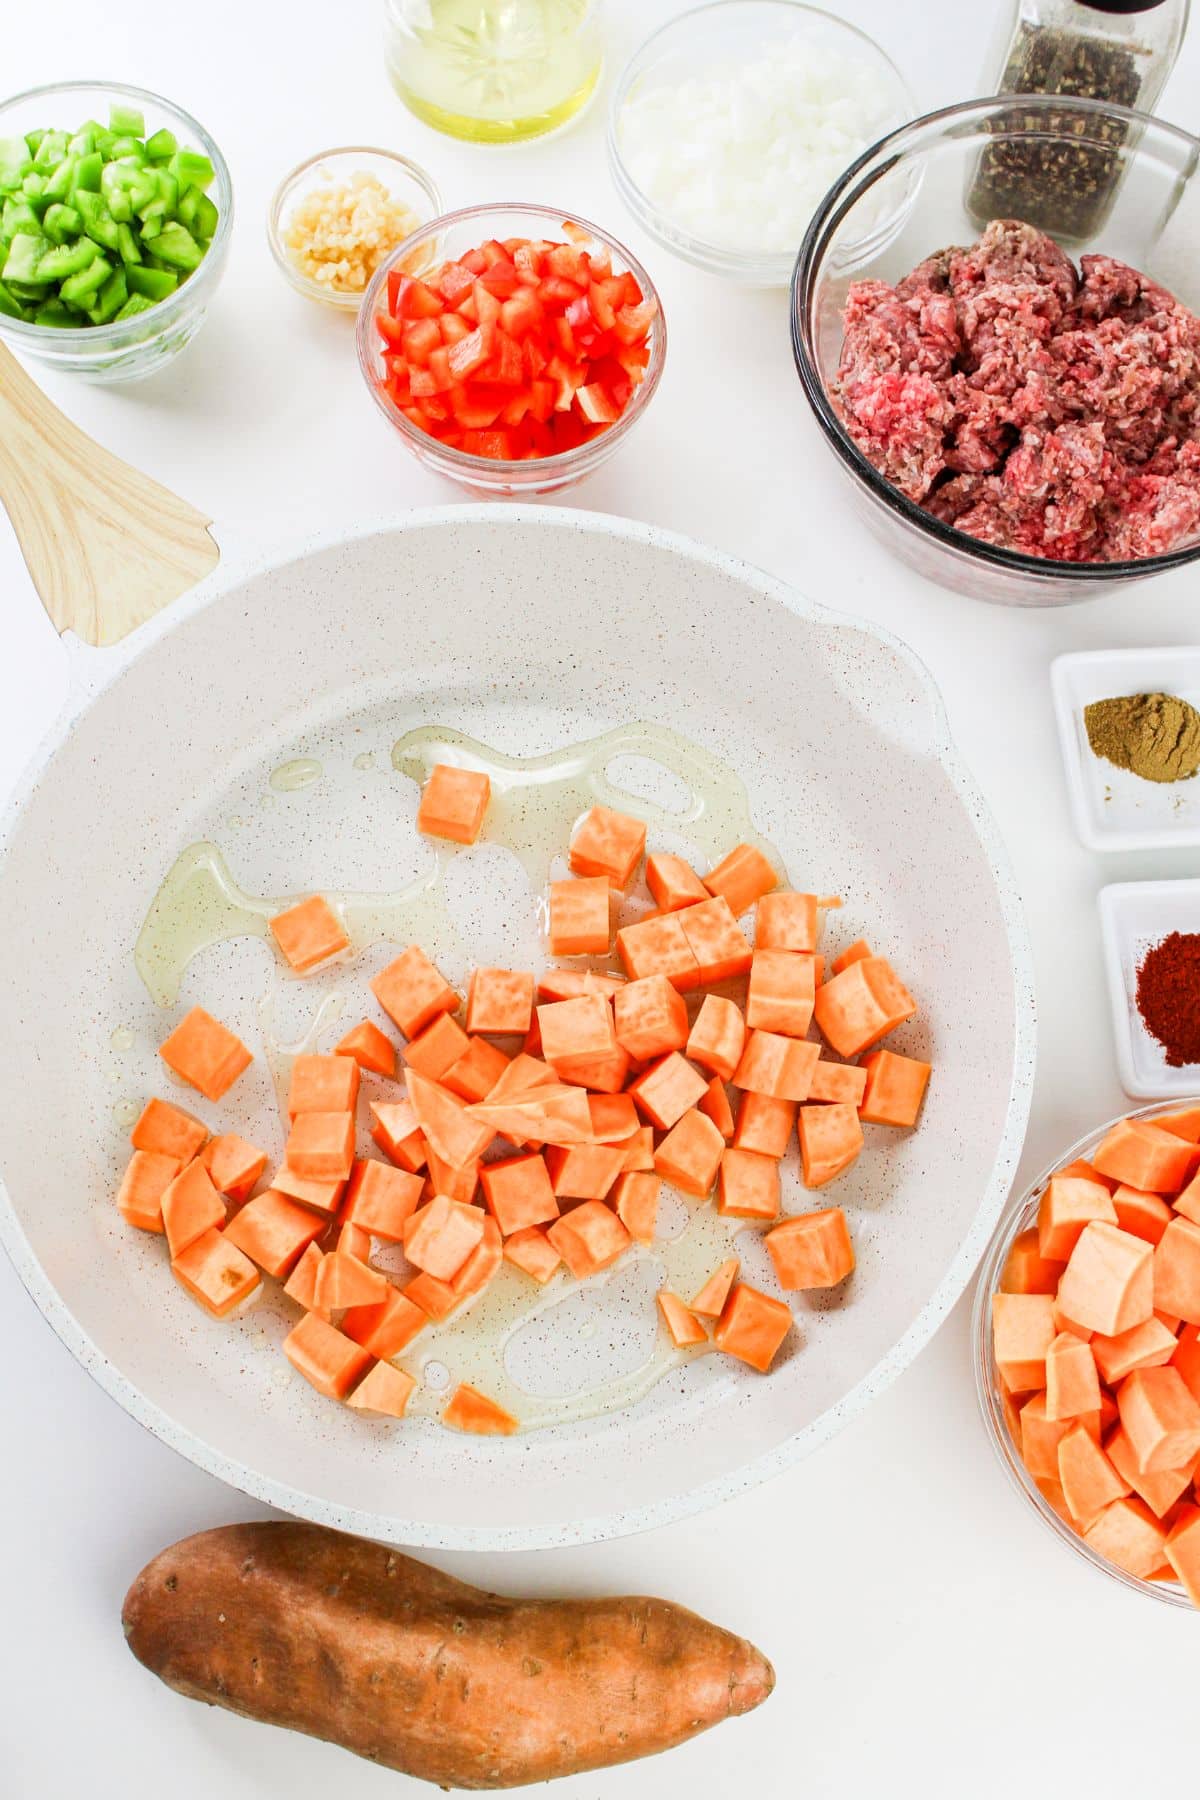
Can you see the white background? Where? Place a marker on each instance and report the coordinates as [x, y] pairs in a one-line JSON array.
[[930, 1636]]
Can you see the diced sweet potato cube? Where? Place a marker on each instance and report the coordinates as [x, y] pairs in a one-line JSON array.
[[1063, 1323], [320, 1145], [1082, 1170], [895, 1088], [353, 1240], [205, 1054], [635, 1200], [434, 1297], [1160, 1488], [580, 917], [1146, 1346], [667, 1089], [583, 1171], [325, 1196], [190, 1206], [519, 1192], [1066, 1206], [439, 1237], [215, 1273], [301, 1284], [1127, 1534], [718, 1037], [715, 939], [714, 1104], [166, 1130], [1040, 1438], [787, 921], [385, 1327], [690, 1154], [1072, 1383], [844, 1083], [576, 1031], [234, 1166], [1026, 1270], [323, 1084], [781, 992], [274, 1231], [749, 1185], [344, 1280], [380, 1199], [639, 1151], [482, 1264], [601, 1074], [327, 1359], [589, 1239], [830, 1139], [469, 1410], [861, 1005], [1182, 1121], [1142, 1215], [370, 1048], [1182, 1550], [1052, 1494], [780, 1067], [453, 802], [394, 1128], [1177, 1271], [384, 1390], [812, 1250], [500, 1002], [1088, 1479], [673, 883], [607, 843], [649, 1017], [477, 1070], [551, 1114], [1108, 1284], [412, 992], [764, 1124], [682, 1324], [1186, 1359], [569, 984], [1160, 1418], [451, 1130], [752, 1326], [659, 947], [309, 933], [614, 1118], [741, 878], [146, 1179], [858, 951], [1023, 1330], [710, 1301], [1138, 1154], [532, 1251], [436, 1049]]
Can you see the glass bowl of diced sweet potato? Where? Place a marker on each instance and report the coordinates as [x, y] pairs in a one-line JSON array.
[[1086, 1335]]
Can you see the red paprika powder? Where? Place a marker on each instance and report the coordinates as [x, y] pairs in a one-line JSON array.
[[1168, 996]]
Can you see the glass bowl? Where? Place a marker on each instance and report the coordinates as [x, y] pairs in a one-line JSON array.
[[923, 176], [131, 348], [405, 181], [704, 38], [1019, 1216], [451, 236]]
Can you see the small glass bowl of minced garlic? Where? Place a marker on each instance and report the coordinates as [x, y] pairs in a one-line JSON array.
[[1129, 725], [339, 214]]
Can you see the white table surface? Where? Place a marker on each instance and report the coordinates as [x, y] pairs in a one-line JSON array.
[[911, 1606]]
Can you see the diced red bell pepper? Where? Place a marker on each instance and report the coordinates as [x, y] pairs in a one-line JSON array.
[[390, 330], [555, 293], [597, 404], [419, 339], [416, 301], [454, 328], [633, 322], [498, 445], [522, 314], [470, 354], [487, 306], [501, 279], [475, 261], [455, 281], [475, 406]]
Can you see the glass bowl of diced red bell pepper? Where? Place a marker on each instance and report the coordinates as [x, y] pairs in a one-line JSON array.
[[523, 354], [1108, 1502]]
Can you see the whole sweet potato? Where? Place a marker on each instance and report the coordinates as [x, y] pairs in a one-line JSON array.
[[350, 1641]]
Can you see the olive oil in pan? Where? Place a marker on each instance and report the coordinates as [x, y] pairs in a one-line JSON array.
[[569, 1351]]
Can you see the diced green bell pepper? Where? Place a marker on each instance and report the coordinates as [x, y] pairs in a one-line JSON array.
[[10, 306], [53, 312], [150, 228], [24, 254], [61, 182], [62, 223], [33, 141], [127, 244], [98, 222], [161, 146], [176, 246], [190, 169], [110, 299], [62, 260], [51, 150], [136, 303], [199, 214], [83, 143], [126, 121], [18, 215], [78, 289], [88, 171], [154, 284]]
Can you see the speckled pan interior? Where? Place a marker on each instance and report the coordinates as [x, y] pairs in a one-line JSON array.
[[529, 629]]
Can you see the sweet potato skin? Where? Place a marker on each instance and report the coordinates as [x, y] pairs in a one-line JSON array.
[[349, 1641]]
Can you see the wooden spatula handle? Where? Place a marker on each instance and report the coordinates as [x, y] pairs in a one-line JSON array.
[[105, 545]]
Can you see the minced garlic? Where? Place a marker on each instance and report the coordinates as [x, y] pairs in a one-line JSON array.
[[339, 235]]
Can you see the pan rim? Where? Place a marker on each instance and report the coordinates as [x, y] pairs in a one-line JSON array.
[[689, 1501]]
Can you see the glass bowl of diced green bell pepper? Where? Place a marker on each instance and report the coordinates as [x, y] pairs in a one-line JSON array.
[[115, 214]]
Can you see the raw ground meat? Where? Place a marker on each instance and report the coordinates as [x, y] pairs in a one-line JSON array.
[[1031, 406]]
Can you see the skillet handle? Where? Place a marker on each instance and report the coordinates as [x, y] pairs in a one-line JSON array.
[[106, 547]]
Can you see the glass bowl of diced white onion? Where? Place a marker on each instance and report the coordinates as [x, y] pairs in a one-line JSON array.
[[730, 124]]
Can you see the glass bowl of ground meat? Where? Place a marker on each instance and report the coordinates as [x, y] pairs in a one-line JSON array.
[[1010, 376]]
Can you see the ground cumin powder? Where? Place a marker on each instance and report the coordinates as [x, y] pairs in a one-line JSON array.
[[1157, 736]]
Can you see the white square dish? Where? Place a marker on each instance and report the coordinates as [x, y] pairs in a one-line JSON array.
[[1134, 916], [1114, 809]]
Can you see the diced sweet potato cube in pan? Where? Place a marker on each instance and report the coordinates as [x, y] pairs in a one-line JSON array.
[[412, 992], [344, 1280], [1186, 1359], [895, 1088], [844, 1083], [715, 939], [216, 1273], [353, 1240], [325, 1196], [1128, 1534], [749, 1185], [394, 1128], [812, 1250], [548, 1114], [718, 1036], [1040, 1436], [532, 1251], [274, 1231], [483, 1262], [583, 1171], [1066, 1206], [787, 921], [861, 1005], [752, 1326], [614, 1118], [569, 984], [781, 993], [383, 1390], [576, 1031], [327, 1359], [580, 917], [778, 1066], [323, 1084], [234, 1166], [453, 802], [451, 1130], [301, 1284], [764, 1125], [1088, 1479], [436, 1049], [858, 951], [639, 1150], [607, 843], [1138, 1154], [667, 1089], [830, 1139], [683, 1325], [673, 883], [440, 1236], [469, 1410], [190, 1206], [205, 1054], [690, 1154], [477, 1070], [385, 1327], [434, 1297], [309, 933], [714, 1104], [710, 1301], [659, 947], [320, 1146], [519, 1192], [650, 1018], [370, 1048], [1108, 1284], [146, 1179], [1026, 1270], [1023, 1330], [500, 1002], [1072, 1383], [167, 1130], [589, 1239], [635, 1200], [741, 878], [380, 1199]]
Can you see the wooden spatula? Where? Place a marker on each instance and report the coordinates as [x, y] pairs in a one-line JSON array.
[[106, 547]]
